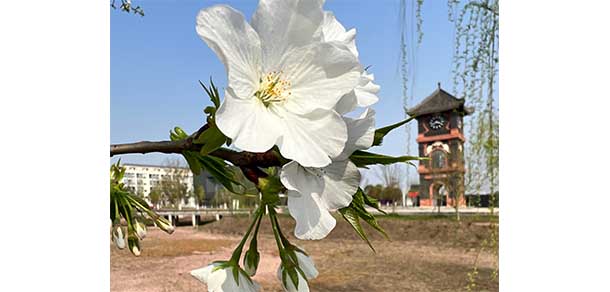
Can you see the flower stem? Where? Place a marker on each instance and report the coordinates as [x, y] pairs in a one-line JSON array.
[[276, 231], [253, 243], [237, 252]]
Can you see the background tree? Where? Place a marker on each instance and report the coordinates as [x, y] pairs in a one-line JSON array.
[[173, 185], [390, 189], [155, 196], [199, 195]]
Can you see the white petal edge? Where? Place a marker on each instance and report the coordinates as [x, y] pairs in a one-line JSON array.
[[320, 74], [332, 30], [285, 24], [313, 221], [296, 178], [360, 133], [236, 44], [341, 181]]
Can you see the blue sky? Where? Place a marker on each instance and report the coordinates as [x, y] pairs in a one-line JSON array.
[[157, 60]]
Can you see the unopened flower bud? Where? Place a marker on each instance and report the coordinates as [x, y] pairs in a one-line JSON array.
[[134, 244], [306, 265], [118, 237], [251, 260], [140, 229], [292, 280], [164, 225]]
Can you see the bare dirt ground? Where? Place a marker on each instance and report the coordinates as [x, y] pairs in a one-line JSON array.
[[428, 254]]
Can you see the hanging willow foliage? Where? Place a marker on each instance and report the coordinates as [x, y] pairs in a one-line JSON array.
[[475, 75]]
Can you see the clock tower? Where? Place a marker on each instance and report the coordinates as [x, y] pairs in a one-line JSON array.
[[441, 138]]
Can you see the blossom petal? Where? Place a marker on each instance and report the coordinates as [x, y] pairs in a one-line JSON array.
[[365, 94], [341, 181], [221, 280], [320, 74], [297, 178], [307, 266], [360, 133], [248, 122], [332, 30], [236, 44], [313, 221], [366, 91], [310, 139], [285, 24], [203, 274]]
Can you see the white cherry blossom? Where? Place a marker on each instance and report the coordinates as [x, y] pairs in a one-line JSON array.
[[222, 280], [313, 192], [365, 93], [283, 82]]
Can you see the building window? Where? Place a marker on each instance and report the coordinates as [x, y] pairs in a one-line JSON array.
[[439, 159]]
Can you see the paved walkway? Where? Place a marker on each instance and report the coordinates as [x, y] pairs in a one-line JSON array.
[[433, 210]]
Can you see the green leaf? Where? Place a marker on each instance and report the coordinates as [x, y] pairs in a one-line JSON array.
[[364, 158], [193, 162], [351, 216], [219, 170], [177, 134], [211, 139], [212, 93], [358, 204], [356, 211], [381, 132], [372, 202]]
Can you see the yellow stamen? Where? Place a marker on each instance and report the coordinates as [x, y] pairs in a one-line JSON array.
[[272, 88]]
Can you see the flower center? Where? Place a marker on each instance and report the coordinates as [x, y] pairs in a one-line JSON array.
[[272, 88]]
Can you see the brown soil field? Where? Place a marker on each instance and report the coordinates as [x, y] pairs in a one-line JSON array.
[[423, 254]]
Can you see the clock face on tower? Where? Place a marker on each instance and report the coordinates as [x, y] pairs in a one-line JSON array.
[[436, 122]]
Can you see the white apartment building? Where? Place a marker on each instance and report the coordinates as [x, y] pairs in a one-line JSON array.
[[142, 178]]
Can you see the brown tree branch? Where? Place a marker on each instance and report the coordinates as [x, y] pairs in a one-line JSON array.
[[249, 159]]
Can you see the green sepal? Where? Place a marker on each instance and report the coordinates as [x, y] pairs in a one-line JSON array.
[[270, 187], [235, 271], [381, 132], [363, 158], [222, 265], [133, 242], [292, 274]]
